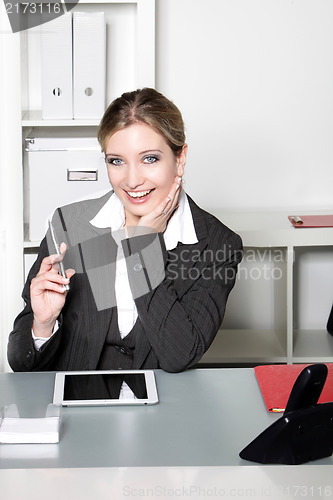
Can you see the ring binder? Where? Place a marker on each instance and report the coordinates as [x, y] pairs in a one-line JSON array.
[[57, 99]]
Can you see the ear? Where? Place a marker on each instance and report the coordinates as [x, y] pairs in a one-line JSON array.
[[181, 161]]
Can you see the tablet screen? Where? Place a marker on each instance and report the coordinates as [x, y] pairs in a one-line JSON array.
[[105, 386]]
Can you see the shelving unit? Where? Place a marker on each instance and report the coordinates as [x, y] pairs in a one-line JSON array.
[[271, 232], [130, 48], [130, 54]]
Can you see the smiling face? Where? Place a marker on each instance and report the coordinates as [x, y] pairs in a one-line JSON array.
[[141, 168]]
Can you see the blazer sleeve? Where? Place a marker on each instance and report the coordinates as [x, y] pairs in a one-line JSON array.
[[183, 313], [21, 351]]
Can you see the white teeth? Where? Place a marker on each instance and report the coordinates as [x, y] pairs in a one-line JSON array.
[[138, 194]]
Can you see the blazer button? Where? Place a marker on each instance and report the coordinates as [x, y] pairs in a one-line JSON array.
[[137, 268], [123, 350]]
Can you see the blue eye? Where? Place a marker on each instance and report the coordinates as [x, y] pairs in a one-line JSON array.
[[117, 162], [150, 159]]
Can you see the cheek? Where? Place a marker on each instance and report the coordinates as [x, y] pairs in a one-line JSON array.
[[114, 177], [164, 178]]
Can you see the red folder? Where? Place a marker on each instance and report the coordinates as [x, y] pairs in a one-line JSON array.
[[276, 382], [311, 220]]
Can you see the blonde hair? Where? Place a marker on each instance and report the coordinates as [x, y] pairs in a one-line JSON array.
[[146, 106]]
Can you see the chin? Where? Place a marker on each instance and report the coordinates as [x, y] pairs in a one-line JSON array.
[[139, 212]]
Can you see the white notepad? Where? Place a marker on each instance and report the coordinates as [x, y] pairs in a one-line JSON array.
[[29, 430], [14, 429]]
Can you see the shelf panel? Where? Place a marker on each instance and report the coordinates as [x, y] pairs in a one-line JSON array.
[[33, 118], [245, 346], [32, 244], [312, 346]]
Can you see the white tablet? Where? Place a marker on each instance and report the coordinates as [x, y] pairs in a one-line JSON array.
[[105, 387]]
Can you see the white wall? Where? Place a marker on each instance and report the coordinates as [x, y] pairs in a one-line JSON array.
[[254, 80]]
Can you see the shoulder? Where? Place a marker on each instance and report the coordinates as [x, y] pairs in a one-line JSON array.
[[209, 227], [85, 209]]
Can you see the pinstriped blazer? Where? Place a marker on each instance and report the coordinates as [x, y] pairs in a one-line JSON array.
[[177, 320]]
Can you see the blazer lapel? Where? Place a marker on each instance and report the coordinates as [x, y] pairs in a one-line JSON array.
[[199, 221]]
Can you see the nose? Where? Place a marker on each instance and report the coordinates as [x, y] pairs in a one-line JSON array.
[[134, 177]]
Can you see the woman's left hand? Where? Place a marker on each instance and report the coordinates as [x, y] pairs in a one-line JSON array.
[[157, 220]]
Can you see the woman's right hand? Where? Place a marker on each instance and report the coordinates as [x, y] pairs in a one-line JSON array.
[[48, 294]]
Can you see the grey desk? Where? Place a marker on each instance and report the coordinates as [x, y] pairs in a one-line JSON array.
[[204, 418]]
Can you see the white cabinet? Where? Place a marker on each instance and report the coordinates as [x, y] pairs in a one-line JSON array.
[[271, 286]]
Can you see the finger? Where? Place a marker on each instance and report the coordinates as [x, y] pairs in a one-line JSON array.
[[53, 277], [174, 209], [62, 250], [175, 189], [172, 199], [70, 273], [50, 277], [43, 285], [165, 208], [169, 202], [52, 259], [47, 264]]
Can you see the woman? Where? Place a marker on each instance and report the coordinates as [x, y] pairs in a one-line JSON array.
[[153, 271]]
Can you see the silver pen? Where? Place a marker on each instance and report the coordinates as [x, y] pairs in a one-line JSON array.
[[57, 249]]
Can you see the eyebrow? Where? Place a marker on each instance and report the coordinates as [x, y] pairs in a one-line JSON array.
[[141, 152], [151, 151]]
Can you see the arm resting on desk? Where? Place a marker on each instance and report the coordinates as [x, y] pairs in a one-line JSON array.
[[182, 315]]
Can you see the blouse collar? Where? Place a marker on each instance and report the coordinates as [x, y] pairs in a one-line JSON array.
[[180, 227]]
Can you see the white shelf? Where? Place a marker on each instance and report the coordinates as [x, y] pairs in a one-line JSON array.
[[33, 118], [263, 346], [245, 346], [312, 346], [32, 244]]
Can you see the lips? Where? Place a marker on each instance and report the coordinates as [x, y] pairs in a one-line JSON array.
[[139, 196]]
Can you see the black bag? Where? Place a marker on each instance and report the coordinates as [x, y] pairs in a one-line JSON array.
[[330, 323]]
